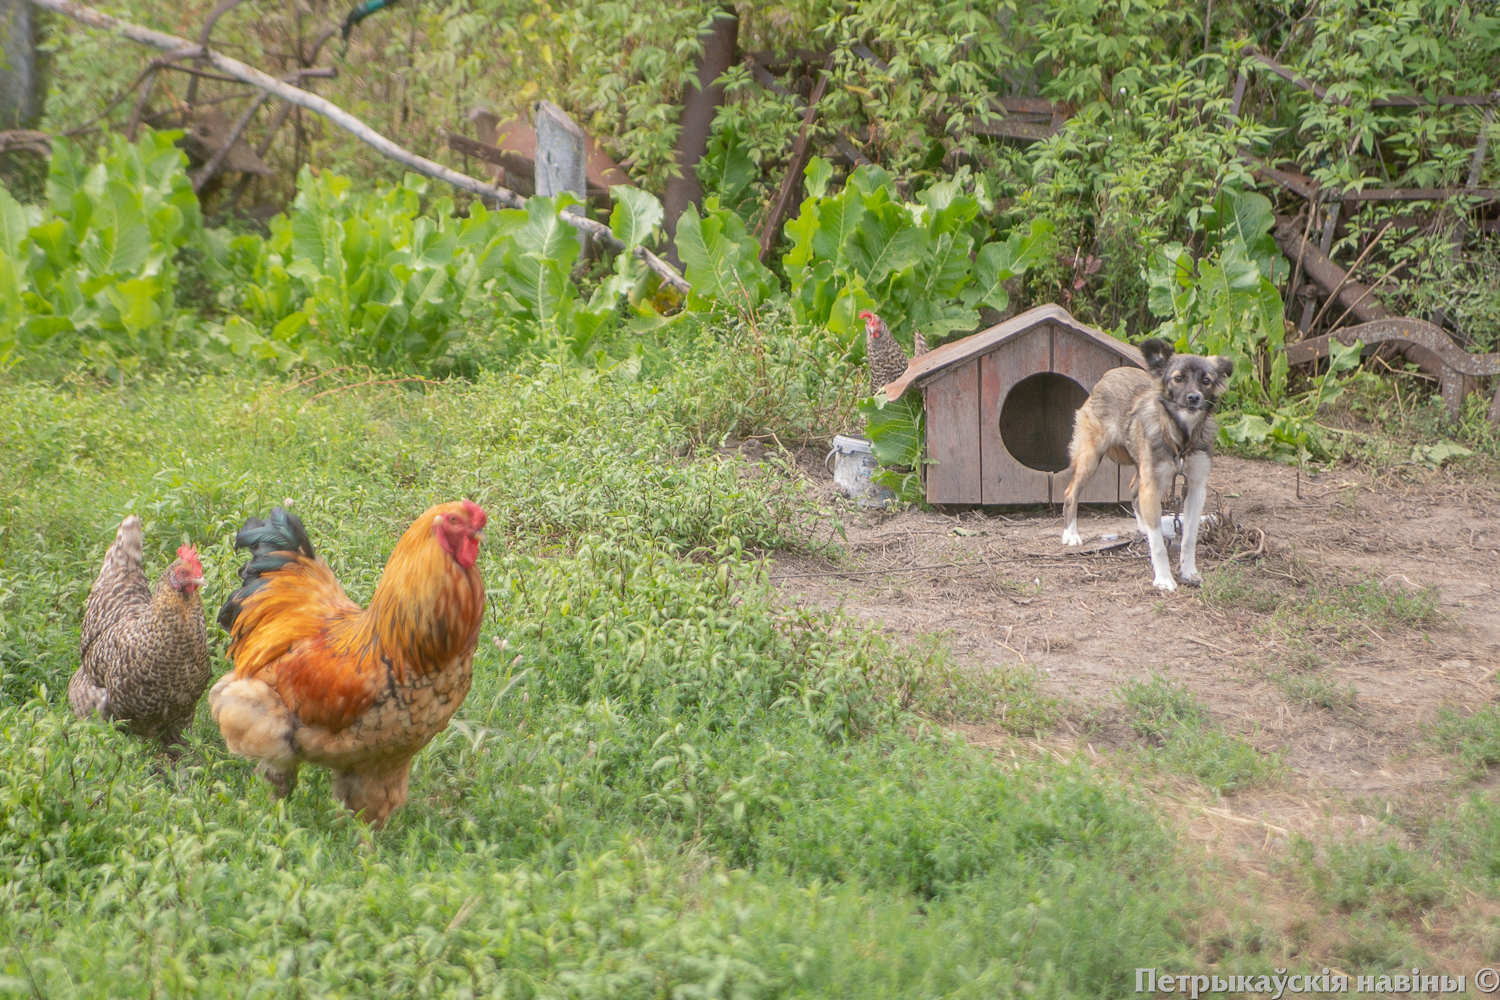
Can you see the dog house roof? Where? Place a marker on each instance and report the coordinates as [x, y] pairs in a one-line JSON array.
[[925, 367]]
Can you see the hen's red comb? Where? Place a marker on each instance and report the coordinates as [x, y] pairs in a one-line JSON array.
[[189, 557]]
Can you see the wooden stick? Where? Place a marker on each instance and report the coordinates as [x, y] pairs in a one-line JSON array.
[[349, 123], [1333, 295], [801, 153]]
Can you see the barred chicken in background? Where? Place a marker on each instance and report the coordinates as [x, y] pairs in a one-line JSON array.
[[886, 358], [319, 681], [143, 653]]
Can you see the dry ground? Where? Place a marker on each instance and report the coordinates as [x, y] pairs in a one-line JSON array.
[[1000, 587]]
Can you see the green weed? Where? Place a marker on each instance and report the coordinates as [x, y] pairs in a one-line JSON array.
[[1185, 739], [1315, 690], [1333, 608], [1473, 739], [1378, 876]]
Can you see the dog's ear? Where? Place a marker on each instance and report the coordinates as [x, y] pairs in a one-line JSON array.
[[1157, 353], [1224, 366]]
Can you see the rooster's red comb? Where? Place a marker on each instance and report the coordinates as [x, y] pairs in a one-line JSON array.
[[477, 516]]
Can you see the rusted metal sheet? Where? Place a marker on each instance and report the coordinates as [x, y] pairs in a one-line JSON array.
[[1006, 480], [1084, 363], [1423, 343], [953, 436]]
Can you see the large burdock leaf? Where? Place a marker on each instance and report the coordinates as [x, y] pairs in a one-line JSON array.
[[545, 233], [635, 215], [721, 257], [999, 262], [885, 241]]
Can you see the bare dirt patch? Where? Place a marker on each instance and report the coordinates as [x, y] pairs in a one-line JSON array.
[[1000, 588]]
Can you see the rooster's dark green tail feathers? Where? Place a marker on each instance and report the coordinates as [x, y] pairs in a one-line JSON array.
[[273, 542]]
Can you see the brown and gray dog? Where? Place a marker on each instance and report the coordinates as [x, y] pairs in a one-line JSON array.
[[1159, 420]]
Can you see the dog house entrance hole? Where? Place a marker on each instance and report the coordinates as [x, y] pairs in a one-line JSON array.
[[1036, 420]]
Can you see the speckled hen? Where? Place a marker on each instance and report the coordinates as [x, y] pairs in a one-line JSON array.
[[886, 358], [143, 652], [319, 681]]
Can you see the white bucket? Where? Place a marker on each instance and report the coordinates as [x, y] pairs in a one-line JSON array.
[[852, 463]]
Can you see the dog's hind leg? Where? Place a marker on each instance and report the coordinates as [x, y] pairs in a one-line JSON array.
[[1196, 469], [1148, 510], [1085, 454]]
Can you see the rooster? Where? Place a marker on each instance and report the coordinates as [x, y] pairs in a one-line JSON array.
[[318, 681], [143, 652], [885, 357]]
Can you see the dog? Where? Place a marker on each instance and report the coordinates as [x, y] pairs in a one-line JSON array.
[[1161, 421]]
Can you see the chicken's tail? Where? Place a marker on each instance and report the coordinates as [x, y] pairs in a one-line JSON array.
[[273, 543]]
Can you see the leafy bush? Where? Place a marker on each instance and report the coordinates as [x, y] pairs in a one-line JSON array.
[[864, 248], [1227, 302], [94, 270], [370, 277]]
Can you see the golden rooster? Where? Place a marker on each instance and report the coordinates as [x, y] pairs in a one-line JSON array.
[[318, 681]]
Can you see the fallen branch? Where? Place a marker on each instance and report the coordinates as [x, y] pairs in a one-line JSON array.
[[1334, 279], [181, 47], [1333, 295], [212, 166]]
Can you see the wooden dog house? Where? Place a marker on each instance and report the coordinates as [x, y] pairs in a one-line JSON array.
[[1000, 406]]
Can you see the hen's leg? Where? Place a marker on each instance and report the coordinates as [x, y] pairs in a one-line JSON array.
[[373, 794]]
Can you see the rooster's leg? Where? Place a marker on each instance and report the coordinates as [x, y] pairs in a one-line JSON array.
[[283, 780], [373, 794]]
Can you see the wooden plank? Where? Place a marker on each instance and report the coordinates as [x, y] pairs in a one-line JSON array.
[[1291, 77], [1086, 364], [1420, 194], [953, 437], [1011, 128], [1413, 101], [519, 169], [699, 108], [926, 367], [781, 207], [21, 91], [1006, 480], [1024, 105], [560, 157]]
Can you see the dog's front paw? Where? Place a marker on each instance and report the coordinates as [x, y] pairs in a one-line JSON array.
[[1071, 536], [1164, 583]]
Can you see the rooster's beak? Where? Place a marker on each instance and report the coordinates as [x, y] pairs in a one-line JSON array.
[[478, 536]]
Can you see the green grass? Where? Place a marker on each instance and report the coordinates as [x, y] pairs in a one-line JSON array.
[[1315, 690], [1473, 739], [1375, 876], [692, 791], [1185, 739], [1336, 610]]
